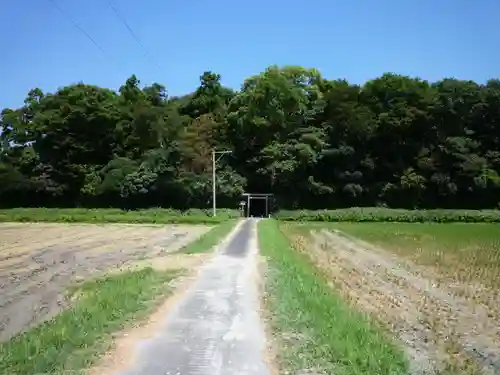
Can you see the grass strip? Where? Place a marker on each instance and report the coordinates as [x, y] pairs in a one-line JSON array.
[[315, 328], [74, 339], [357, 214], [114, 215], [208, 240]]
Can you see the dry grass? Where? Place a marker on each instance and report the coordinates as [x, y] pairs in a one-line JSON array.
[[464, 253], [435, 286]]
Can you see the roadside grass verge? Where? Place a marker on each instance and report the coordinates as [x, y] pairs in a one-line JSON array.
[[463, 252], [211, 238], [74, 339], [380, 214], [115, 215], [315, 329]]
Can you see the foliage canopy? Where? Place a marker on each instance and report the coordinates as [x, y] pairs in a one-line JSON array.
[[395, 141]]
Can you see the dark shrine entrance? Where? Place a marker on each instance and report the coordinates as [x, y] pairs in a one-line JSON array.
[[257, 205]]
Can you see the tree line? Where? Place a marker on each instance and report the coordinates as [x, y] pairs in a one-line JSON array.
[[394, 141]]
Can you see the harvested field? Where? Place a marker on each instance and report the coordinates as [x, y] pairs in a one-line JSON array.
[[39, 261], [313, 329], [448, 323]]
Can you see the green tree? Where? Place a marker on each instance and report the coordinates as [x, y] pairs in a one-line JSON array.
[[275, 132], [395, 141]]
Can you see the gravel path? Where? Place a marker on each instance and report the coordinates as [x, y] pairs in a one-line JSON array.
[[216, 328]]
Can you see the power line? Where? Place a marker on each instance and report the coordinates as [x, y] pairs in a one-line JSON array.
[[122, 18], [75, 24]]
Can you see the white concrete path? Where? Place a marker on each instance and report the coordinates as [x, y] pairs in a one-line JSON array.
[[216, 328]]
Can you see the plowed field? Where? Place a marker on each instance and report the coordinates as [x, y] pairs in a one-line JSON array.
[[39, 261]]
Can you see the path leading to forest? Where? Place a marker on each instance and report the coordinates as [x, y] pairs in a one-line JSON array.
[[215, 328]]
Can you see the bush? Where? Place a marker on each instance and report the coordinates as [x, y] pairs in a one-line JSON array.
[[359, 214], [152, 216]]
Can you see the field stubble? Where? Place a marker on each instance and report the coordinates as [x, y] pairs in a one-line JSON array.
[[446, 325], [39, 261]]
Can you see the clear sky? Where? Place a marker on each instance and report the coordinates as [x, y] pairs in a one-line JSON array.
[[353, 39]]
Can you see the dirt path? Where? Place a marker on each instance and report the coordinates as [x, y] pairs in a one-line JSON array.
[[38, 261], [438, 328], [215, 327]]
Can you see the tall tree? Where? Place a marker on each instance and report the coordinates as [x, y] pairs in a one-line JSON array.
[[274, 127]]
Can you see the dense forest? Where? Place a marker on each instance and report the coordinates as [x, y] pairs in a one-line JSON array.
[[395, 141]]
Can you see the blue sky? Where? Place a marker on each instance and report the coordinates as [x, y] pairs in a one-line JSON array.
[[353, 39]]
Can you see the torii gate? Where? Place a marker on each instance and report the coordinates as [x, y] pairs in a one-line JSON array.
[[251, 196]]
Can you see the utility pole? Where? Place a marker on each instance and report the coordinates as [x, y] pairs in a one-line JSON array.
[[214, 161]]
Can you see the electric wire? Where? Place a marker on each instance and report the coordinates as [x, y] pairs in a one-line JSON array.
[[78, 26], [123, 20]]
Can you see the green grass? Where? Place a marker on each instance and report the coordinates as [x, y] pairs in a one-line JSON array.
[[466, 252], [328, 335], [115, 215], [207, 241], [74, 339], [379, 214]]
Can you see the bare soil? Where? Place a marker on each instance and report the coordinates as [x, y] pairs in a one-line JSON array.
[[39, 261], [440, 329]]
